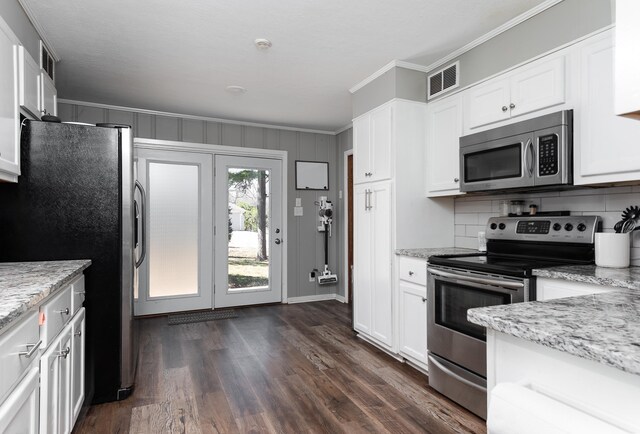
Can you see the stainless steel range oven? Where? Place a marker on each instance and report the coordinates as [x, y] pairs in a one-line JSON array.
[[457, 283]]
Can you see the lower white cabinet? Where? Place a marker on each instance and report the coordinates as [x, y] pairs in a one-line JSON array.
[[412, 291], [20, 412], [77, 364], [373, 294], [55, 365], [549, 289]]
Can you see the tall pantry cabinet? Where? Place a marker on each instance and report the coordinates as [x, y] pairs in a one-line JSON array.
[[390, 212]]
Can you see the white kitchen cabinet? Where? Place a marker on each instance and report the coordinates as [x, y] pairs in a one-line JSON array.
[[444, 128], [77, 358], [627, 58], [29, 78], [49, 97], [372, 141], [605, 145], [55, 367], [9, 111], [373, 296], [549, 289], [19, 413], [529, 88], [412, 289]]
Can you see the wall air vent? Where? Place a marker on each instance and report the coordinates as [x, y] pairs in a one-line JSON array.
[[444, 80]]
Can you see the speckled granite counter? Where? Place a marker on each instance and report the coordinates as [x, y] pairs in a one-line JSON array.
[[24, 284], [603, 327], [628, 278], [425, 253]]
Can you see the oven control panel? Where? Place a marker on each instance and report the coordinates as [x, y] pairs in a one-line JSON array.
[[565, 229]]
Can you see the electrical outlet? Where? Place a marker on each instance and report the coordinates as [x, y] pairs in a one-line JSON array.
[[312, 276]]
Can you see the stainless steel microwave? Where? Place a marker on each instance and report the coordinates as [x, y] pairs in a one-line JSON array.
[[537, 152]]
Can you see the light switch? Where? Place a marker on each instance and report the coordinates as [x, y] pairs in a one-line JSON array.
[[298, 201], [297, 211]]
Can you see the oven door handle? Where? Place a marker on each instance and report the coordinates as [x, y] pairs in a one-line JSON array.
[[475, 279]]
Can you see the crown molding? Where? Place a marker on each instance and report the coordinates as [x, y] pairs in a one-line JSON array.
[[482, 39], [39, 28], [193, 117], [385, 68], [343, 129]]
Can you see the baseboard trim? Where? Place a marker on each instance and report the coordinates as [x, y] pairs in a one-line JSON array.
[[312, 298], [417, 366], [341, 298]]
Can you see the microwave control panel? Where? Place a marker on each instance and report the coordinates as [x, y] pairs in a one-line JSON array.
[[548, 155]]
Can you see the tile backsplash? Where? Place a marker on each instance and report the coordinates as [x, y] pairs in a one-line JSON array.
[[473, 211]]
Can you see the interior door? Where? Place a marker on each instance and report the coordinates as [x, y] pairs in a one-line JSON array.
[[249, 238], [176, 274]]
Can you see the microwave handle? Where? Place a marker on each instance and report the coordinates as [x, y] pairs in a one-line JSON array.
[[528, 149], [476, 279]]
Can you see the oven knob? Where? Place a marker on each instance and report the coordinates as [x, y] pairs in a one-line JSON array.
[[568, 227], [502, 226], [493, 226], [557, 226], [582, 227]]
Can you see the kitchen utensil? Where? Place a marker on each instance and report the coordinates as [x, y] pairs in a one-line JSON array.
[[631, 213], [628, 226]]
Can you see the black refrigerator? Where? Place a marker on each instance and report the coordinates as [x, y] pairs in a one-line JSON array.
[[75, 200]]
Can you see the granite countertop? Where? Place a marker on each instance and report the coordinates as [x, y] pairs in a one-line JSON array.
[[24, 284], [628, 278], [425, 253]]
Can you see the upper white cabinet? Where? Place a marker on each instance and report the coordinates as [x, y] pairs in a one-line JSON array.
[[444, 128], [9, 112], [372, 138], [605, 145], [627, 58], [29, 83], [49, 95], [533, 87]]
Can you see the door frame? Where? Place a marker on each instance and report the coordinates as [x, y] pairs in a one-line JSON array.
[[345, 233], [171, 145]]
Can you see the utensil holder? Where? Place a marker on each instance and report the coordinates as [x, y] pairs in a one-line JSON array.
[[613, 250]]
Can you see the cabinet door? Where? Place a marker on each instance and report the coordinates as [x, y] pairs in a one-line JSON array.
[[49, 97], [382, 283], [361, 149], [550, 289], [605, 146], [9, 112], [487, 103], [50, 389], [413, 321], [538, 86], [29, 83], [77, 364], [444, 128], [66, 358], [362, 256], [20, 413], [381, 137]]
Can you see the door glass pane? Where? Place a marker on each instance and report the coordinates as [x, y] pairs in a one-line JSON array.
[[453, 300], [173, 227], [248, 229], [499, 163]]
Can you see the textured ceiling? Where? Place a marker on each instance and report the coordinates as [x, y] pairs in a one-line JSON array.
[[178, 56]]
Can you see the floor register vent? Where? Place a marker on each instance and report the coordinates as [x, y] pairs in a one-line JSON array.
[[444, 80]]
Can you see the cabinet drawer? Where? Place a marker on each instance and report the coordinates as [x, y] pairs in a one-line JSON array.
[[413, 270], [77, 295], [57, 312], [19, 339]]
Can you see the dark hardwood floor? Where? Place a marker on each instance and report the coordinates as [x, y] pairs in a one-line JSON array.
[[284, 368]]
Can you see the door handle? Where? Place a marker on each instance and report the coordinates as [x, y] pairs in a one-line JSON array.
[[143, 218], [277, 241], [476, 279], [528, 150]]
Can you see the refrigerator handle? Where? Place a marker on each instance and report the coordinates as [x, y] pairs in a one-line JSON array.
[[143, 218]]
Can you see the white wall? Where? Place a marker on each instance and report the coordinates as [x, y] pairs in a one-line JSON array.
[[472, 212]]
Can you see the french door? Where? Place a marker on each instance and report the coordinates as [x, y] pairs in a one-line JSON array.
[[249, 239], [178, 226]]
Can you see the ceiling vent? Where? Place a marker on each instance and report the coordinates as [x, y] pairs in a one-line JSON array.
[[444, 80]]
